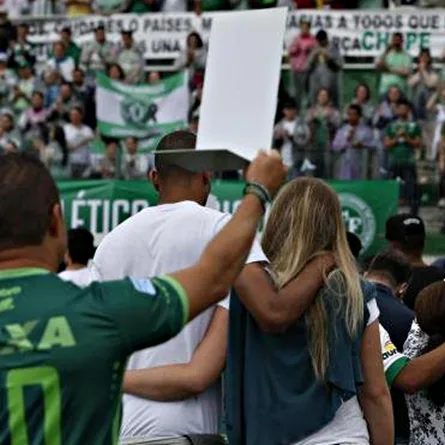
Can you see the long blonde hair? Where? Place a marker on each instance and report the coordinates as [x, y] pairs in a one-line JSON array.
[[305, 221]]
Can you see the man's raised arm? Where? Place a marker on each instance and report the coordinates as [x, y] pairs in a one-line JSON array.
[[211, 278]]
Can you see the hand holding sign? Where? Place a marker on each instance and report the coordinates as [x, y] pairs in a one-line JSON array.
[[268, 170]]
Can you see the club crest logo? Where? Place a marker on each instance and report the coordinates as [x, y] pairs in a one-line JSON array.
[[358, 218]]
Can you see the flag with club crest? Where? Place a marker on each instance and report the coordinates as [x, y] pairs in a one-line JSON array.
[[146, 112]]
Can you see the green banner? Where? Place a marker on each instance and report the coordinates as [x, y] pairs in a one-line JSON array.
[[102, 205]]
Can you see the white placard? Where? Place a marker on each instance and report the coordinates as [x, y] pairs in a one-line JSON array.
[[241, 81]]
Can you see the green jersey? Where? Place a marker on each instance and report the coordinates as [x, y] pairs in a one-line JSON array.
[[402, 153], [63, 352]]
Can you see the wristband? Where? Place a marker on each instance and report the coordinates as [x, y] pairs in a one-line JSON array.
[[259, 191]]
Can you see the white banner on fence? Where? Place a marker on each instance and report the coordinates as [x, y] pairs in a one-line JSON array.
[[358, 33]]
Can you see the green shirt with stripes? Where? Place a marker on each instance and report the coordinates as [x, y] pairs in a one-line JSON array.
[[63, 351]]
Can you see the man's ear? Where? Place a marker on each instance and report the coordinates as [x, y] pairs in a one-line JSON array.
[[400, 290], [56, 226], [153, 176]]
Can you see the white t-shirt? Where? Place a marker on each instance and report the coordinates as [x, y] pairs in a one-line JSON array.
[[348, 425], [74, 134], [156, 241], [81, 277], [288, 147]]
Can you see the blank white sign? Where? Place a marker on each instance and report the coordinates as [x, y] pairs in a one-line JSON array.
[[241, 81]]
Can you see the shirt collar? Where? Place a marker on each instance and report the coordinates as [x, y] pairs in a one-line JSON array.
[[22, 272]]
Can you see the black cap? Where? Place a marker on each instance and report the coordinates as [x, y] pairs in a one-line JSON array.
[[99, 26], [405, 228]]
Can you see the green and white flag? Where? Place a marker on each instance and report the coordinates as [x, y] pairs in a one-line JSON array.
[[146, 112]]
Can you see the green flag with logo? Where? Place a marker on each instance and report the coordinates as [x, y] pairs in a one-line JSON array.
[[146, 112], [102, 205]]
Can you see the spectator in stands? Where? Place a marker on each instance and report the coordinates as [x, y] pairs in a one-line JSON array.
[[8, 80], [52, 87], [403, 138], [130, 58], [153, 77], [71, 48], [354, 141], [97, 54], [26, 85], [32, 122], [323, 67], [427, 408], [395, 66], [22, 51], [193, 57], [299, 51], [406, 233], [8, 131], [78, 137], [386, 113], [108, 164], [436, 105], [116, 72], [80, 251], [84, 94], [78, 8], [362, 97], [61, 62], [60, 111], [424, 83], [53, 152], [324, 120], [284, 137], [134, 164], [8, 32]]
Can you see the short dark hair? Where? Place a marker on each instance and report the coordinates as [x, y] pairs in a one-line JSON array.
[[398, 34], [356, 108], [403, 101], [27, 197], [80, 245], [321, 36], [66, 29], [38, 93], [198, 38], [177, 140], [393, 264], [354, 243]]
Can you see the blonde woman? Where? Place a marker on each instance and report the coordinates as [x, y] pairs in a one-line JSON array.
[[320, 380]]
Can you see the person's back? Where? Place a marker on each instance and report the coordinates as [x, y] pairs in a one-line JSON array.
[[159, 240], [390, 272], [422, 277], [49, 387]]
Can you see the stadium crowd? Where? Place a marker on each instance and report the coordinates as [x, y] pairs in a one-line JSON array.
[[49, 108]]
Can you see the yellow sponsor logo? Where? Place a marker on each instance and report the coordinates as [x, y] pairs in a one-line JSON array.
[[10, 291]]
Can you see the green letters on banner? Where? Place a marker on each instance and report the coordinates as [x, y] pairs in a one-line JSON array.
[[102, 205]]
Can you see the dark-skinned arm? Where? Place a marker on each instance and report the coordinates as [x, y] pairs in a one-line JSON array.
[[275, 310], [422, 371]]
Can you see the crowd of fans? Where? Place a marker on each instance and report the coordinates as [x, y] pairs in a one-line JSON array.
[[371, 137], [50, 108]]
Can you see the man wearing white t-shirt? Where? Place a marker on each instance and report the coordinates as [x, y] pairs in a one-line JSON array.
[[173, 390], [80, 251]]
